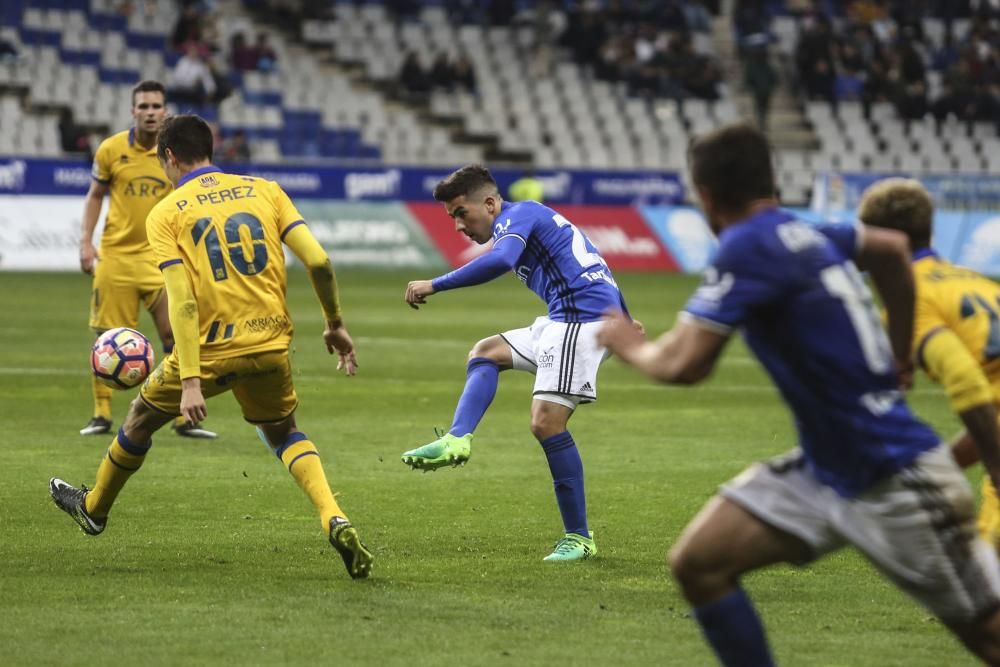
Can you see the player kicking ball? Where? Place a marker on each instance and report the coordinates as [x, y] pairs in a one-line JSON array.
[[866, 472], [217, 239], [558, 263]]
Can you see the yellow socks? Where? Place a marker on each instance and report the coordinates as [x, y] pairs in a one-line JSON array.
[[299, 455], [124, 457], [102, 399]]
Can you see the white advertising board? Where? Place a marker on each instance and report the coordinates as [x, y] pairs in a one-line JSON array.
[[41, 233]]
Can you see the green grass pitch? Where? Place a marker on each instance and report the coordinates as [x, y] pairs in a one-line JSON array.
[[214, 556]]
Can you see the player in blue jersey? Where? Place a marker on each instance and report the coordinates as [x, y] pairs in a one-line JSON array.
[[560, 264], [865, 472]]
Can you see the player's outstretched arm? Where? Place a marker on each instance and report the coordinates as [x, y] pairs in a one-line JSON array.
[[91, 212], [324, 282], [684, 355], [183, 313], [885, 254], [493, 264]]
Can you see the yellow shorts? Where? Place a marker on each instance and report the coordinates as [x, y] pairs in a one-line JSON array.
[[120, 285], [989, 515], [261, 383]]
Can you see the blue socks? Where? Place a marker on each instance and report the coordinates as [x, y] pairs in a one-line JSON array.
[[734, 630], [482, 377], [567, 478]]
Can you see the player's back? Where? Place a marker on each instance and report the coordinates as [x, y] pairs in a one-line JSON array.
[[965, 302], [227, 231], [808, 318]]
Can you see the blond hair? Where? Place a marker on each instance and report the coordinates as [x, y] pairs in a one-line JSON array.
[[899, 203]]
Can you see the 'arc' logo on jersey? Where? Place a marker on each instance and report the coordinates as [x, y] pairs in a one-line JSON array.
[[501, 228], [208, 181], [145, 186]]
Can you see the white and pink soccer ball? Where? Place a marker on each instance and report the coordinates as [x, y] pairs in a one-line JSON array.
[[121, 358]]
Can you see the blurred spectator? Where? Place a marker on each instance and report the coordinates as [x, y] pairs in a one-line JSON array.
[[463, 75], [441, 74], [761, 80], [697, 16], [548, 22], [698, 75], [192, 81], [267, 58], [814, 57], [402, 10], [500, 12], [242, 56], [909, 73], [236, 148], [751, 21], [585, 34], [72, 137], [463, 11], [8, 52], [413, 78], [188, 27]]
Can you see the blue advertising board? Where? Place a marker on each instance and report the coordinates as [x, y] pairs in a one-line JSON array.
[[966, 213], [64, 177], [836, 193]]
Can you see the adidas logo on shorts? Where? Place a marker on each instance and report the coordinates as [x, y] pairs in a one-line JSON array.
[[587, 387]]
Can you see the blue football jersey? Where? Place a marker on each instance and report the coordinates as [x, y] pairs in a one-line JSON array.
[[807, 315], [558, 262]]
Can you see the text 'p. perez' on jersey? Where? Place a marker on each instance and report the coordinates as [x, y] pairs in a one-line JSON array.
[[559, 263], [807, 315], [227, 231]]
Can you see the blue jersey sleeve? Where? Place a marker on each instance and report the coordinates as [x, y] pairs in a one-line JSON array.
[[844, 237], [742, 277], [515, 222], [482, 269]]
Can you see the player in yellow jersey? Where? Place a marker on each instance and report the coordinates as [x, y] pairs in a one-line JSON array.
[[217, 239], [956, 332], [125, 274]]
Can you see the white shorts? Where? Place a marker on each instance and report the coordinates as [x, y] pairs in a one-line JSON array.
[[564, 356], [917, 527]]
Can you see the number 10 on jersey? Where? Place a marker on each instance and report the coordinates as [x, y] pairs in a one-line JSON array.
[[235, 247]]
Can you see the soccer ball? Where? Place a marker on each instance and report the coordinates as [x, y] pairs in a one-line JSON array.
[[121, 358]]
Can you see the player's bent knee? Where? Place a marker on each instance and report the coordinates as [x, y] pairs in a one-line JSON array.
[[700, 579], [276, 433], [493, 348], [143, 421]]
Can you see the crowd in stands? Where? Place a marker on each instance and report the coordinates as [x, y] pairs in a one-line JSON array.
[[879, 51], [198, 77], [445, 73], [648, 45]]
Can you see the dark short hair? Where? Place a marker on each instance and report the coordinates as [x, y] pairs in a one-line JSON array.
[[188, 137], [733, 164], [466, 181], [149, 86]]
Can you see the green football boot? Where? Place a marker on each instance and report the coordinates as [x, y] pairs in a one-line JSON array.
[[448, 450], [573, 547]]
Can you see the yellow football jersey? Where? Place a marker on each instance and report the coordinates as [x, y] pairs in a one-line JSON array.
[[227, 231], [963, 301], [137, 183]]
